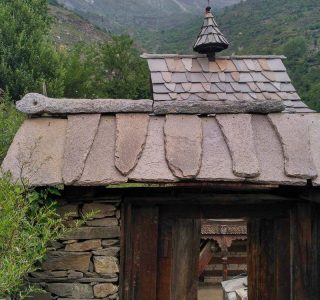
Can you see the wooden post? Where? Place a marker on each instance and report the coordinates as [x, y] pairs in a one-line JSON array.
[[140, 278], [305, 252], [268, 259]]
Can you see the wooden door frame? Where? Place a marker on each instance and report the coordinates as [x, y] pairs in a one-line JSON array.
[[300, 237]]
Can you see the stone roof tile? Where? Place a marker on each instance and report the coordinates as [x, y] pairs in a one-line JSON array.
[[232, 147]]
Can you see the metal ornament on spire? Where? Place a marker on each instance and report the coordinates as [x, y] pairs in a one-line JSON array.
[[210, 40]]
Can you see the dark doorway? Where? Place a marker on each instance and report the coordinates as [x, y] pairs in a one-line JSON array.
[[162, 250]]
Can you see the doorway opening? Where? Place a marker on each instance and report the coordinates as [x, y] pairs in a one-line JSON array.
[[163, 245], [223, 259]]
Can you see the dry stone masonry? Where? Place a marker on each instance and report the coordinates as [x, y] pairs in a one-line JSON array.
[[85, 263]]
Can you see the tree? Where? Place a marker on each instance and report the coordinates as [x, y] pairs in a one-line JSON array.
[[28, 60], [110, 70], [10, 121], [124, 73]]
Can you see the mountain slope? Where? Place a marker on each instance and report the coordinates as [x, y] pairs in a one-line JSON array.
[[69, 28], [142, 19], [289, 27]]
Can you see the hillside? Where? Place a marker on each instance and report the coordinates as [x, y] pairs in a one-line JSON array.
[[142, 19], [69, 28], [289, 27]]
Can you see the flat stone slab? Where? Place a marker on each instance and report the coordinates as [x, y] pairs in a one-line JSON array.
[[216, 158], [314, 125], [238, 133], [71, 290], [61, 260], [36, 153], [152, 166], [99, 210], [270, 154], [183, 144], [131, 136], [100, 165], [84, 246], [103, 222], [293, 131], [87, 233], [81, 132], [38, 104]]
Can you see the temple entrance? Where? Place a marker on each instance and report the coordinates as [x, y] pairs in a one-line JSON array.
[[167, 256], [223, 257]]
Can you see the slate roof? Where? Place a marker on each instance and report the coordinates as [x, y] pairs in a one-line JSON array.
[[94, 149], [235, 79]]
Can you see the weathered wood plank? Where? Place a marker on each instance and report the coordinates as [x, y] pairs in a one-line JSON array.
[[282, 258], [165, 252], [269, 259], [145, 242], [305, 255], [186, 243], [253, 258]]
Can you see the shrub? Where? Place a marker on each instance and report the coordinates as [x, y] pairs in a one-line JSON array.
[[28, 222]]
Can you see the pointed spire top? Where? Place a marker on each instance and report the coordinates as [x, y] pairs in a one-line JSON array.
[[210, 39]]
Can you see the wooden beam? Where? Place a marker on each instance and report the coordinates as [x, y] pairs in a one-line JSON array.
[[217, 211], [206, 256]]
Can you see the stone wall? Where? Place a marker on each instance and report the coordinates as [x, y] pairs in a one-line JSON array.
[[85, 263]]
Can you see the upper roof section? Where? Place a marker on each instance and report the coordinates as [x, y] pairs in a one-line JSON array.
[[195, 80], [210, 39]]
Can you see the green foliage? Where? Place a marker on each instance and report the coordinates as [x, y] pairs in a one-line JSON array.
[[28, 60], [28, 222], [110, 70], [10, 121]]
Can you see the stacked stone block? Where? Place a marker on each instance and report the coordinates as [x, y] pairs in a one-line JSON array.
[[84, 264]]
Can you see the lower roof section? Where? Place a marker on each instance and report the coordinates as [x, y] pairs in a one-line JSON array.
[[97, 150]]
